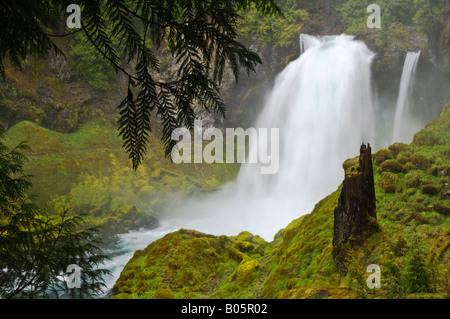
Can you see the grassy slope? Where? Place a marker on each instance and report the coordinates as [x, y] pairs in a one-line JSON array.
[[89, 172], [412, 188]]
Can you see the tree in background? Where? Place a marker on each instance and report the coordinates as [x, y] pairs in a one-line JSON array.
[[89, 63], [200, 35], [36, 250], [280, 31]]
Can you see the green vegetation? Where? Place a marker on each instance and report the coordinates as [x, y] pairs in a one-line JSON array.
[[35, 249], [201, 37], [354, 13], [279, 31], [94, 69], [88, 172], [412, 248]]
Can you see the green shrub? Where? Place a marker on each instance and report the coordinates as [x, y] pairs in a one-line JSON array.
[[278, 31], [417, 277]]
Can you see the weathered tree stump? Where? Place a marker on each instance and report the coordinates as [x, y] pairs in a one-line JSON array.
[[355, 216]]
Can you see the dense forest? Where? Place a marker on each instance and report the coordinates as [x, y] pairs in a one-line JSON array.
[[85, 148]]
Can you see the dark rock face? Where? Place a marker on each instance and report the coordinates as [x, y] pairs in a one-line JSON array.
[[355, 216]]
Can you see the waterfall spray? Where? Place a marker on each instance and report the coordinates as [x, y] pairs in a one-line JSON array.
[[322, 105]]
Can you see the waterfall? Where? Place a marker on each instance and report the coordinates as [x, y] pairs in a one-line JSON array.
[[322, 105], [404, 127]]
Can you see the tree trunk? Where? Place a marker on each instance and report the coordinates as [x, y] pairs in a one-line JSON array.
[[355, 216]]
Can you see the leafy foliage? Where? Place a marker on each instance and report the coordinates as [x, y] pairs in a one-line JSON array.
[[354, 13], [89, 63], [417, 277], [200, 35], [280, 31], [21, 31], [35, 250]]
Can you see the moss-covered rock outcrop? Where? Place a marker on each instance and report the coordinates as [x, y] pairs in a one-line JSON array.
[[190, 264]]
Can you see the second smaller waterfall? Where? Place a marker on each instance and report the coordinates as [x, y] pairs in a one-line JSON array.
[[403, 125]]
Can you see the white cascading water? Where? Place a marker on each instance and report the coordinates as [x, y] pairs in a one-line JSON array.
[[322, 105], [404, 124]]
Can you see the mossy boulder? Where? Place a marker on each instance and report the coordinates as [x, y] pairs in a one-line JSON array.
[[409, 167], [390, 182], [396, 148], [392, 166], [442, 207], [164, 293], [244, 246], [382, 155], [430, 189], [421, 162], [403, 157], [412, 180], [245, 236]]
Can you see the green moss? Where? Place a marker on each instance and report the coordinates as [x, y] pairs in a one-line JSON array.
[[412, 180], [396, 148], [350, 163], [390, 183], [426, 138], [247, 270], [430, 189], [392, 166], [164, 293], [382, 155], [409, 167], [442, 207], [421, 162]]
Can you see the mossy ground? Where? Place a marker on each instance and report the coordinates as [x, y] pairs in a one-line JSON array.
[[298, 262]]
